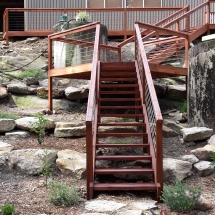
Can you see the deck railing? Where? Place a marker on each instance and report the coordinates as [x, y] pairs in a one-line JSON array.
[[151, 109], [40, 22]]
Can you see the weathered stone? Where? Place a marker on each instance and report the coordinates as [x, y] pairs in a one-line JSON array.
[[21, 88], [31, 81], [204, 168], [130, 212], [25, 123], [175, 169], [66, 129], [177, 92], [168, 132], [3, 92], [173, 125], [160, 89], [29, 160], [180, 118], [117, 129], [42, 92], [211, 141], [7, 125], [94, 214], [17, 134], [3, 158], [5, 147], [204, 153], [74, 93], [196, 133], [103, 205], [31, 40], [64, 82], [204, 204], [190, 158], [72, 162], [143, 205]]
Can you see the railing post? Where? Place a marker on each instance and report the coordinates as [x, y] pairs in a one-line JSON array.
[[7, 26], [187, 21], [125, 23], [89, 154], [119, 54], [208, 16], [50, 105], [159, 156]]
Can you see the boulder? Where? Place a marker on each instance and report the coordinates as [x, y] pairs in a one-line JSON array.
[[31, 81], [17, 134], [175, 169], [25, 123], [3, 158], [5, 147], [196, 133], [21, 88], [203, 204], [6, 125], [29, 160], [74, 93], [173, 125], [143, 205], [66, 129], [168, 132], [211, 141], [204, 168], [130, 212], [3, 92], [177, 92], [190, 158], [31, 40], [72, 163], [42, 92], [204, 153]]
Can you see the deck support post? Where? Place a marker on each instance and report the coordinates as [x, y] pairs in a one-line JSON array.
[[50, 105]]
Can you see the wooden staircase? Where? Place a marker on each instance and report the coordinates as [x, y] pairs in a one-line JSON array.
[[120, 109]]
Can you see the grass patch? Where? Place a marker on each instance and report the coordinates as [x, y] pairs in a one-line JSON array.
[[9, 116], [183, 107], [31, 74]]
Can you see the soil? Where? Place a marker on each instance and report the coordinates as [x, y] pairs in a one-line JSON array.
[[28, 193]]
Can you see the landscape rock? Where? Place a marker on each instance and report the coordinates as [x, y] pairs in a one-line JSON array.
[[72, 163], [42, 92], [66, 129], [74, 93], [204, 168], [5, 147], [17, 134], [211, 141], [25, 123], [94, 214], [6, 125], [160, 89], [190, 158], [204, 153], [175, 169], [3, 92], [29, 160], [103, 205], [204, 204], [3, 158], [196, 133], [180, 118], [173, 125], [168, 132], [20, 88], [177, 92], [143, 205], [130, 212], [31, 81]]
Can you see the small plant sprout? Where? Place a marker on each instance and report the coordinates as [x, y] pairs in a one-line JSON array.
[[39, 126], [8, 209], [83, 16]]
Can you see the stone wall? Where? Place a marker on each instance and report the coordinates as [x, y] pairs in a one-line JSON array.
[[201, 79]]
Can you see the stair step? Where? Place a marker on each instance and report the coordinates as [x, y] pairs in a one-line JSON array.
[[106, 171], [118, 74], [118, 79], [120, 107], [124, 186], [121, 115], [119, 99], [120, 92], [121, 134], [118, 85], [121, 145], [123, 157], [122, 124]]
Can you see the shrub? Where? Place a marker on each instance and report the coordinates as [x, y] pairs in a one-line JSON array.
[[183, 107], [39, 126], [33, 74], [180, 196], [8, 116], [83, 16], [8, 209], [61, 194]]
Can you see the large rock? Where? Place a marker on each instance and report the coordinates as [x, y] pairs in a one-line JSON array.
[[175, 169], [176, 92], [5, 147], [31, 81], [74, 93], [168, 132], [204, 153], [29, 160], [3, 92], [143, 205], [25, 123], [211, 141], [203, 204], [66, 129], [190, 158], [42, 92], [204, 168], [7, 125], [103, 205], [17, 134], [196, 133], [20, 88], [72, 163], [173, 125]]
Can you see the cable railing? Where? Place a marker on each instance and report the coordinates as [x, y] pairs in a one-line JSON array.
[[151, 109]]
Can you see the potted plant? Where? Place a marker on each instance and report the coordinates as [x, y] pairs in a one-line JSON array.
[[83, 16]]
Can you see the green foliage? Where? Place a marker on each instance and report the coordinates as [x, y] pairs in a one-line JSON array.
[[83, 16], [8, 209], [46, 169], [9, 116], [180, 196], [38, 126], [31, 74], [183, 107], [61, 194]]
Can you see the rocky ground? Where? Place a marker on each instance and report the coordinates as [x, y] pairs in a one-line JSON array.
[[29, 194]]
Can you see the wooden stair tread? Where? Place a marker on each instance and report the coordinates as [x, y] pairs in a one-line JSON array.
[[122, 124], [119, 99], [120, 107], [105, 171], [120, 92], [118, 85], [123, 157], [121, 134], [120, 115], [120, 145], [125, 186], [118, 79]]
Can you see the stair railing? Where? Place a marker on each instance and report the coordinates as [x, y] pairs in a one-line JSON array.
[[91, 116], [151, 109]]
